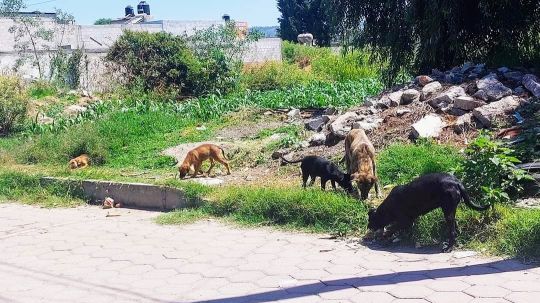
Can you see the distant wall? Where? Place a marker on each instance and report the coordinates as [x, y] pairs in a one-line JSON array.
[[97, 39]]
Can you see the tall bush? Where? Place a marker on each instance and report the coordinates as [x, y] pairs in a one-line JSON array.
[[13, 104], [422, 34], [156, 61]]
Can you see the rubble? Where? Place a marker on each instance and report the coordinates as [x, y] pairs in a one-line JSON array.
[[467, 103], [409, 96], [341, 126], [488, 113], [423, 80], [430, 126], [74, 110], [317, 124], [493, 88], [532, 84], [431, 89], [446, 98], [317, 139]]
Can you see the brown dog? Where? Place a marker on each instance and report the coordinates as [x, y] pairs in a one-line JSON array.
[[81, 161], [360, 159], [197, 156]]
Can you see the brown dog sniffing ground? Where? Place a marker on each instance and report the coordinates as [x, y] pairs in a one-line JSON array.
[[81, 161], [360, 160], [195, 158]]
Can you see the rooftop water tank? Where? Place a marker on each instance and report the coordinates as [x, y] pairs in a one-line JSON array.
[[130, 11], [143, 8], [226, 18]]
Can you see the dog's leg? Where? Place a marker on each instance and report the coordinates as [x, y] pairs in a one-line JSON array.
[[226, 164], [450, 218], [323, 184], [305, 178], [377, 185], [312, 180], [196, 170], [211, 166]]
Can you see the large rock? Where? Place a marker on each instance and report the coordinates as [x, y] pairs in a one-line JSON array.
[[431, 89], [423, 80], [395, 98], [383, 103], [343, 124], [494, 89], [467, 103], [514, 76], [447, 97], [430, 126], [74, 110], [487, 114], [317, 124], [532, 84], [367, 124], [464, 123], [294, 114], [482, 95], [409, 96], [317, 139]]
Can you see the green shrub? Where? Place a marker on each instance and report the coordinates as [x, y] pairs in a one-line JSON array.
[[489, 172], [518, 233], [275, 75], [220, 52], [41, 89], [13, 104], [400, 163], [156, 61]]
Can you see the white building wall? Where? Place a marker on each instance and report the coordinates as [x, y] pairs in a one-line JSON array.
[[97, 39]]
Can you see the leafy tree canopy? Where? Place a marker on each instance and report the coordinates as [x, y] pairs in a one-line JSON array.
[[419, 34]]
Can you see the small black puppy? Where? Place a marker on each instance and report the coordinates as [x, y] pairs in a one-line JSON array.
[[407, 202], [313, 167]]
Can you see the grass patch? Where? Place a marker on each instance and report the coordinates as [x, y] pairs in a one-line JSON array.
[[310, 210], [28, 189], [400, 163], [502, 231], [41, 89], [182, 216]]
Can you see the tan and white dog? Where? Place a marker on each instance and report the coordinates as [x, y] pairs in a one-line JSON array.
[[360, 160]]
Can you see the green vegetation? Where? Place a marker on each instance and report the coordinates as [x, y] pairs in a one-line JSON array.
[[490, 173], [443, 34], [41, 89], [13, 104], [304, 65], [400, 163], [28, 189], [208, 62]]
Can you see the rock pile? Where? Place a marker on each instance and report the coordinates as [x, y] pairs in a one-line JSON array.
[[463, 98]]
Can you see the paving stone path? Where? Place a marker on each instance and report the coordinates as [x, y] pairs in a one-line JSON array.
[[83, 255]]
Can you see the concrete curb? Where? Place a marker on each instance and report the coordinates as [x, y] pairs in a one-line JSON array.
[[131, 195]]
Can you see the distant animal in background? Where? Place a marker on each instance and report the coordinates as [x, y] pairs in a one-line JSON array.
[[313, 167], [81, 161], [405, 203], [195, 158], [360, 160]]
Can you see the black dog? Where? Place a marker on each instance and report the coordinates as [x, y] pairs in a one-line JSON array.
[[313, 167], [407, 202]]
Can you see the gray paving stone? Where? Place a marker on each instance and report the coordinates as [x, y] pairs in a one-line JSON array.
[[80, 255]]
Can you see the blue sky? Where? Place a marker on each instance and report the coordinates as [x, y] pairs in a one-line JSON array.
[[255, 12]]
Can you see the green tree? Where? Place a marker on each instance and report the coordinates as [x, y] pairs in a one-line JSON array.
[[301, 16], [419, 34], [103, 21]]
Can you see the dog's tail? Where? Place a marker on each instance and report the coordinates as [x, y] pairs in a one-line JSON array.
[[290, 162], [468, 201], [224, 154]]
